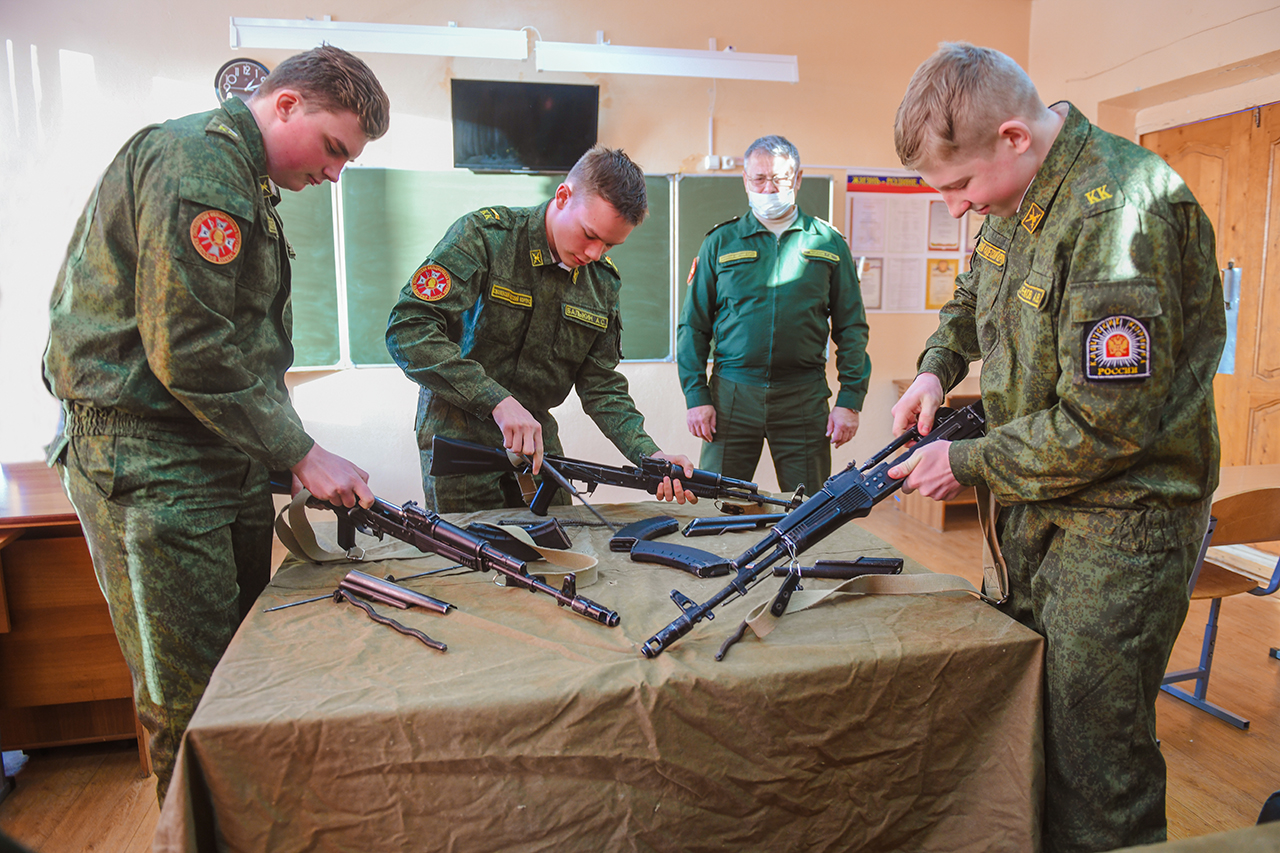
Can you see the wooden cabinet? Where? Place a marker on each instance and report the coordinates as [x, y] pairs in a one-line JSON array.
[[63, 679], [927, 510]]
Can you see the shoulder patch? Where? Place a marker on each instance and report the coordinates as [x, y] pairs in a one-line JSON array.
[[693, 269], [722, 224], [216, 236], [217, 125], [1117, 348], [431, 283], [1098, 194]]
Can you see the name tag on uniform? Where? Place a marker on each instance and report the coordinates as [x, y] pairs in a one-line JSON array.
[[821, 254], [737, 257], [512, 297], [990, 252], [582, 315]]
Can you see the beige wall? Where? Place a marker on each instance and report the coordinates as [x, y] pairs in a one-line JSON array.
[[153, 60]]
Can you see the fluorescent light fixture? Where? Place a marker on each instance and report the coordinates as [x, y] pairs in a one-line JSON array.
[[671, 62], [380, 38]]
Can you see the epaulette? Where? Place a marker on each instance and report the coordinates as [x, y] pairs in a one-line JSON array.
[[722, 224], [1098, 192], [217, 125], [608, 261], [499, 217]]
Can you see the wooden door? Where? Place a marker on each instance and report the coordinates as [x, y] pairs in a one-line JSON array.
[[1232, 164]]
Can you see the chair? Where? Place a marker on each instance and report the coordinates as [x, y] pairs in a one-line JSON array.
[[1246, 511]]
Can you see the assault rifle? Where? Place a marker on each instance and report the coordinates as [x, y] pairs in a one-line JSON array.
[[847, 495], [427, 531], [455, 456]]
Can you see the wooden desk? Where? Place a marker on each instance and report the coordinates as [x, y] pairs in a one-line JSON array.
[[877, 723], [64, 679], [927, 510]]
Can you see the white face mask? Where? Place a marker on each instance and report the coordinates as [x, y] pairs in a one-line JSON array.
[[772, 205]]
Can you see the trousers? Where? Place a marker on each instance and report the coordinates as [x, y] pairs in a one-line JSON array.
[[793, 419], [180, 537], [1110, 618]]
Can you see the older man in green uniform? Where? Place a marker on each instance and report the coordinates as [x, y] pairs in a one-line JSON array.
[[769, 288], [512, 309], [168, 345], [1095, 304]]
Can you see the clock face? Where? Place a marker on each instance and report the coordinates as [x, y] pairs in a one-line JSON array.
[[239, 77]]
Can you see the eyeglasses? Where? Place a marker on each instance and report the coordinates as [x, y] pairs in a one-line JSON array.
[[759, 182]]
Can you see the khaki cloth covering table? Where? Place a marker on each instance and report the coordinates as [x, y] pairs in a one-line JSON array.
[[870, 723]]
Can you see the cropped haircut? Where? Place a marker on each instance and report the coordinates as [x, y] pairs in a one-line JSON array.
[[777, 146], [956, 102], [610, 174], [334, 80]]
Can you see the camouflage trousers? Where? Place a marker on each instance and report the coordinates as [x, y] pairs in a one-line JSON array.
[[792, 418], [180, 536], [1109, 618]]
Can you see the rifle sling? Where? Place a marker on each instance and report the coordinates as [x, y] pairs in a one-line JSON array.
[[297, 535]]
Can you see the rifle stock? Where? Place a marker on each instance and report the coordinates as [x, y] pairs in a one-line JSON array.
[[455, 456], [847, 495]]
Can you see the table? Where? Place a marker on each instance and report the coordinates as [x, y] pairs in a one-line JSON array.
[[65, 680], [887, 723]]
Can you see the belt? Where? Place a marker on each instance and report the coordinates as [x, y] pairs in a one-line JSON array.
[[83, 419]]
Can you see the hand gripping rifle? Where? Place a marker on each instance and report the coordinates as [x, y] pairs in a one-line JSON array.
[[428, 532], [845, 496], [455, 456]]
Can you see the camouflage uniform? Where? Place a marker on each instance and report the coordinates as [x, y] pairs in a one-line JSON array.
[[770, 303], [490, 314], [168, 345], [1097, 310]]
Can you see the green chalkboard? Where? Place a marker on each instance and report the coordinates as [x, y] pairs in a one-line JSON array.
[[706, 201], [392, 218], [308, 225]]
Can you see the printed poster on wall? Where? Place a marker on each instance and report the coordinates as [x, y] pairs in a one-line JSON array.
[[908, 248]]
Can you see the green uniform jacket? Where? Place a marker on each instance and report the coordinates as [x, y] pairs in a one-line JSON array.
[[770, 303], [1097, 311], [172, 307], [490, 314]]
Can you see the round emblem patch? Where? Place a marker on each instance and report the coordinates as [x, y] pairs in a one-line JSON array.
[[216, 236], [1117, 347], [431, 282]]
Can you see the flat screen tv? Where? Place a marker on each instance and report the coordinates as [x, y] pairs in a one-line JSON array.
[[522, 127]]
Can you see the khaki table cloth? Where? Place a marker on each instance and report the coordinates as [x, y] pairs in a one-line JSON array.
[[865, 723]]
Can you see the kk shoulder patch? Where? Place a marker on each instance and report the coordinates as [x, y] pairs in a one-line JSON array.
[[431, 283], [1117, 348], [216, 236]]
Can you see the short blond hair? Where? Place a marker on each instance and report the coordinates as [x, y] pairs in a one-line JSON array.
[[956, 102]]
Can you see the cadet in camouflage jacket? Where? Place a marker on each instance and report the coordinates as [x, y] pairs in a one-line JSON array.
[[169, 340], [1097, 311], [490, 314]]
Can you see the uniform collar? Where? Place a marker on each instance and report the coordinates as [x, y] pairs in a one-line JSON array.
[[539, 248], [1044, 187], [241, 118]]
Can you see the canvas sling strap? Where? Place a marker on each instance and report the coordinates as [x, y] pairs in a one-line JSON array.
[[296, 533], [995, 582]]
